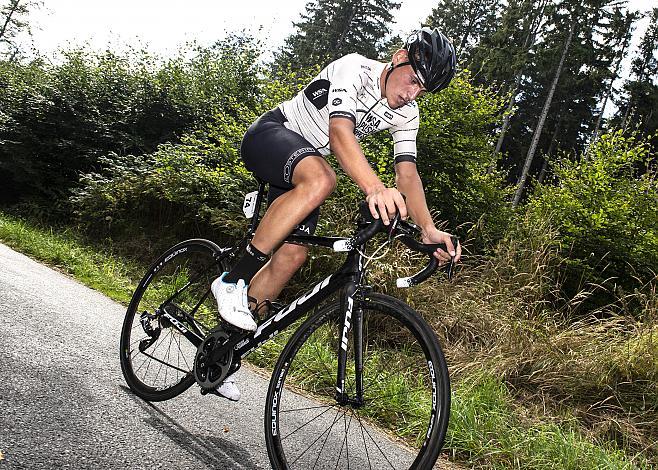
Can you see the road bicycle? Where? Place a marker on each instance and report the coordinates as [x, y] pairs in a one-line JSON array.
[[359, 383]]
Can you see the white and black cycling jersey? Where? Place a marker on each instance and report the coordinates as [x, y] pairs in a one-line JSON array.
[[350, 87]]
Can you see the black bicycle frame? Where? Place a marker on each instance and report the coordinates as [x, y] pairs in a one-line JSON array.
[[348, 278]]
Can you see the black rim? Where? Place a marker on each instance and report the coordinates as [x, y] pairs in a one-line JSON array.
[[178, 284], [401, 394]]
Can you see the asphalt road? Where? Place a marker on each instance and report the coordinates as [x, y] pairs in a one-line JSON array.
[[64, 402]]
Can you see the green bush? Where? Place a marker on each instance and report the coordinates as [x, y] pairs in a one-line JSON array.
[[57, 121], [605, 207], [150, 202]]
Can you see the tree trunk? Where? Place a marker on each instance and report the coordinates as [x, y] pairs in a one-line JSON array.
[[551, 147], [607, 96], [542, 118], [508, 112], [533, 27]]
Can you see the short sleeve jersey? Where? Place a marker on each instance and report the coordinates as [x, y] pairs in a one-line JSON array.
[[350, 87]]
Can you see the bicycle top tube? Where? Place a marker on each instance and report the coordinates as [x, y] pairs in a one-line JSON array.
[[368, 227]]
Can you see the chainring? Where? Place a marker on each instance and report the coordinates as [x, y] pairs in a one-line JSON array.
[[210, 376]]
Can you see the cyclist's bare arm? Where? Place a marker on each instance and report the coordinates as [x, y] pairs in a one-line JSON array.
[[409, 183], [344, 145]]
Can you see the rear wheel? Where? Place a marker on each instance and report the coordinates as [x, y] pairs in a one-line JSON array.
[[403, 418], [156, 359]]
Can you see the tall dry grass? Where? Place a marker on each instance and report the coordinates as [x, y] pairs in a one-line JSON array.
[[504, 315]]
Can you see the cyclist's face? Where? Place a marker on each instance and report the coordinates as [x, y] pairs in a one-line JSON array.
[[403, 85]]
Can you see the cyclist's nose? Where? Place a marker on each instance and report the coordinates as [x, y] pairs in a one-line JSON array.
[[412, 93]]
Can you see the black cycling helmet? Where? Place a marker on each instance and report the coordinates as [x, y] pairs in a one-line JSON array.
[[432, 57]]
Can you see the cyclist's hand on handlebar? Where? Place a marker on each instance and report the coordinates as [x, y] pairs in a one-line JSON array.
[[434, 235], [386, 201]]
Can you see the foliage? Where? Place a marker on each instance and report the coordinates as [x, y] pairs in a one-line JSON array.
[[465, 22], [638, 103], [13, 22], [455, 153], [153, 201], [606, 210], [193, 188], [59, 120]]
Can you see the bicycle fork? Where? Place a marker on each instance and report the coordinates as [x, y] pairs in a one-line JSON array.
[[352, 320]]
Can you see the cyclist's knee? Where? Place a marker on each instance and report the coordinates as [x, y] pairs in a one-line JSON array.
[[290, 256], [325, 182], [320, 186], [317, 177]]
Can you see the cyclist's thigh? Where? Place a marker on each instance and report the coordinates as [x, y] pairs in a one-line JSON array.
[[306, 226], [271, 151]]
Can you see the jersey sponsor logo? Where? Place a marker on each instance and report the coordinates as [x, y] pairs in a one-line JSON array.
[[366, 68], [336, 101], [367, 126], [338, 90], [388, 115], [317, 93]]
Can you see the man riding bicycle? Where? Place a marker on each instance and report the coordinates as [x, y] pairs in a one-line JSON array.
[[349, 99]]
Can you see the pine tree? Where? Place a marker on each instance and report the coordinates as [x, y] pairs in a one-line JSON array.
[[617, 41], [581, 87], [465, 22], [330, 29], [501, 58], [642, 91], [542, 118]]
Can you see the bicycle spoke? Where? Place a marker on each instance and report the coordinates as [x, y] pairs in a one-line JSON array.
[[342, 443], [153, 353], [365, 444], [304, 425], [328, 430], [323, 362], [183, 355], [321, 449], [305, 409], [379, 448]]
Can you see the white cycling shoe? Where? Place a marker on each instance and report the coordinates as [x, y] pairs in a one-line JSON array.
[[232, 303], [228, 389]]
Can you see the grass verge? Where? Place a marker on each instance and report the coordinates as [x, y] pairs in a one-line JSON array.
[[488, 428]]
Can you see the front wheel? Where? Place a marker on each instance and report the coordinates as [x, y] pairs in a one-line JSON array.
[[401, 421]]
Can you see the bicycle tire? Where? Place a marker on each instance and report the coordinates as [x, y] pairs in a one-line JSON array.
[[171, 270], [401, 355]]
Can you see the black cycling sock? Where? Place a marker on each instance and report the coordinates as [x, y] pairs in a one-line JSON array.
[[248, 266]]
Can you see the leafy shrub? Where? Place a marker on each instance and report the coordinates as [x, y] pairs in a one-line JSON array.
[[59, 120], [151, 202], [605, 207]]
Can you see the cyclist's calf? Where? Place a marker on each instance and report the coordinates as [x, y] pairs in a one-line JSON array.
[[270, 280]]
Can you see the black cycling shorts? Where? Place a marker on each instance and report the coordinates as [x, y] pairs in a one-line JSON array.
[[271, 152]]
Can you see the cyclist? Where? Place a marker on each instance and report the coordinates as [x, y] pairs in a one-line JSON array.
[[350, 98]]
